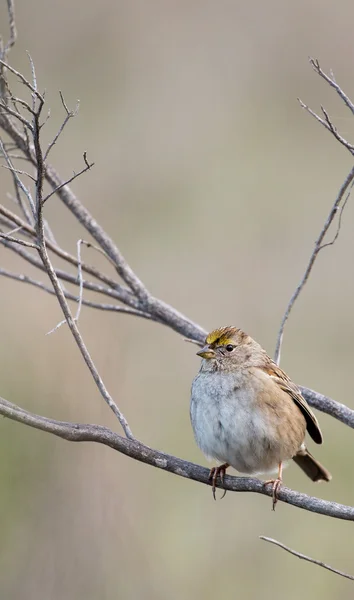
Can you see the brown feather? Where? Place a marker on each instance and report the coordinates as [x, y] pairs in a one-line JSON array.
[[290, 388], [313, 469]]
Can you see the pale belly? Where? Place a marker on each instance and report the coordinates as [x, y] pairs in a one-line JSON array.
[[229, 428]]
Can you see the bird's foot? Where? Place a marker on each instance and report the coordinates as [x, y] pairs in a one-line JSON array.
[[276, 483], [213, 475]]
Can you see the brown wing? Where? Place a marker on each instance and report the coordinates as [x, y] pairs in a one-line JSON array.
[[290, 388]]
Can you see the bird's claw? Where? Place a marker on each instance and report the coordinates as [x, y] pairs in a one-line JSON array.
[[276, 483], [213, 475]]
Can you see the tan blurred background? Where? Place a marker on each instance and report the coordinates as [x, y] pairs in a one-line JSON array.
[[214, 184]]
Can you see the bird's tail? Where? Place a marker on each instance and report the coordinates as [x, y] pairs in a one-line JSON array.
[[313, 469]]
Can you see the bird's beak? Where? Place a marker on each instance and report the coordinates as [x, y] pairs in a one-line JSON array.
[[206, 352]]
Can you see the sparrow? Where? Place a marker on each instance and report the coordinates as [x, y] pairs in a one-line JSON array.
[[247, 413]]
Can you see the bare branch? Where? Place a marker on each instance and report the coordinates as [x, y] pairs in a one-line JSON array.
[[327, 123], [42, 251], [77, 432], [6, 236], [79, 340], [70, 278], [87, 167], [23, 79], [17, 180], [12, 24], [98, 249], [18, 171], [69, 114], [80, 280], [22, 102], [35, 94], [335, 409], [332, 82], [348, 183], [16, 114], [97, 305], [81, 290], [197, 343], [18, 200], [125, 293], [319, 563]]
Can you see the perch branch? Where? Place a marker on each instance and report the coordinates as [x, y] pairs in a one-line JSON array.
[[79, 432]]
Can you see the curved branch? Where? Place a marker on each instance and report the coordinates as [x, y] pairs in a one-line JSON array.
[[79, 432]]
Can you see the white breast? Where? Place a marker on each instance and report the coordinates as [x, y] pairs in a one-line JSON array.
[[227, 425]]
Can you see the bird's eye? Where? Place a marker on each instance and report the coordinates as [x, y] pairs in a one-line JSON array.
[[230, 347]]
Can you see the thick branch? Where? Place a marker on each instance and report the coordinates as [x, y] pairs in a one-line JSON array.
[[78, 432]]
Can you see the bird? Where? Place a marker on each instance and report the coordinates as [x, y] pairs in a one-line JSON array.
[[248, 414]]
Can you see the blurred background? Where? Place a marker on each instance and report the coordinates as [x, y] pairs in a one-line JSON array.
[[214, 183]]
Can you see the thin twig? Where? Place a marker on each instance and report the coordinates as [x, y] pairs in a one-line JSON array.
[[22, 79], [336, 235], [81, 290], [87, 167], [80, 280], [35, 92], [196, 342], [60, 294], [97, 305], [18, 171], [22, 102], [125, 293], [79, 341], [22, 205], [99, 250], [16, 114], [332, 82], [69, 114], [6, 236], [117, 294], [14, 231], [348, 183], [314, 561], [17, 179], [327, 123]]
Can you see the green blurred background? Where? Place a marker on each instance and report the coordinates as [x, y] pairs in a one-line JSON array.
[[214, 184]]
